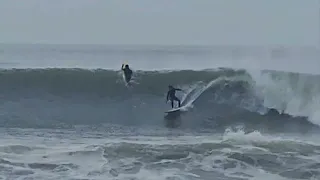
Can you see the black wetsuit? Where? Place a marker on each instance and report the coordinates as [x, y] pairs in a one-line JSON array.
[[127, 73], [172, 96]]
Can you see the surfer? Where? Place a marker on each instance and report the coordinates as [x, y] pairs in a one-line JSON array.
[[172, 95], [127, 72]]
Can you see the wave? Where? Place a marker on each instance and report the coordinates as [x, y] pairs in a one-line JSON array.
[[99, 81], [220, 97]]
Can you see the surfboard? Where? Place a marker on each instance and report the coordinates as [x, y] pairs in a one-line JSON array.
[[182, 108], [173, 110], [124, 80]]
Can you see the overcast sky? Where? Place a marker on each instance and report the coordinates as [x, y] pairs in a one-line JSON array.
[[192, 22]]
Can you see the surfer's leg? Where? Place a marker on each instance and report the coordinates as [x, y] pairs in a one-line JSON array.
[[172, 103], [176, 99], [128, 79]]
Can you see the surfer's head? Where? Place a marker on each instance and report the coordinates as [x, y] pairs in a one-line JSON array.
[[126, 66], [170, 87]]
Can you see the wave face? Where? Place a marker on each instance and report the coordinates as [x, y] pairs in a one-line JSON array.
[[220, 98]]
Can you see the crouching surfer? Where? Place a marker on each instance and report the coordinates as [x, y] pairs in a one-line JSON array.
[[171, 95], [127, 72]]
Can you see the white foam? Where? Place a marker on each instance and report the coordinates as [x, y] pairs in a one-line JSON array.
[[297, 96], [87, 154]]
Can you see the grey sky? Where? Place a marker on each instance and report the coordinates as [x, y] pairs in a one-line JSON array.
[[195, 22]]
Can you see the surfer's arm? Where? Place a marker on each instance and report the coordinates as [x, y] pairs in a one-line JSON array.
[[167, 96], [122, 67], [178, 89]]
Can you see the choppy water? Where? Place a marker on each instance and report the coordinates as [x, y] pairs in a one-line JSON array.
[[157, 154], [65, 113]]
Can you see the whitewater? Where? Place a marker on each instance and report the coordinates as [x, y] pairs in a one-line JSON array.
[[65, 113]]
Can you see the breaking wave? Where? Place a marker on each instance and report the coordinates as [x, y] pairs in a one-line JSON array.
[[269, 100]]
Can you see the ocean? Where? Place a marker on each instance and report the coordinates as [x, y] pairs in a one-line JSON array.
[[65, 113]]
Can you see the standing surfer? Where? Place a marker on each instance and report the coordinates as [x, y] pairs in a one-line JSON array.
[[172, 95], [127, 72]]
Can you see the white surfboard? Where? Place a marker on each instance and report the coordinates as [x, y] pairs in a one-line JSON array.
[[124, 80], [182, 108], [173, 110]]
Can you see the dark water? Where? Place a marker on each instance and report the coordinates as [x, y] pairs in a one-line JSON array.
[[58, 98]]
